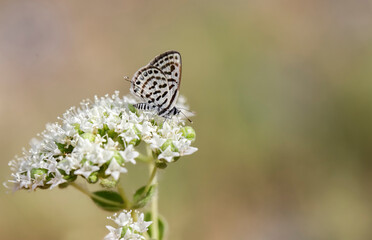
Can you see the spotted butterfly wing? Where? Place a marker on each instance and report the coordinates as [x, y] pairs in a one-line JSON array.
[[150, 84], [170, 63], [158, 84]]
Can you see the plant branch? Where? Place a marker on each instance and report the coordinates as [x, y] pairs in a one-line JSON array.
[[91, 195]]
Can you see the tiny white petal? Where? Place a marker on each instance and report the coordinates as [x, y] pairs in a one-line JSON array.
[[168, 155], [114, 169], [129, 154], [86, 170]]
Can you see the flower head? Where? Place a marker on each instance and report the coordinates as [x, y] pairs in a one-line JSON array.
[[128, 228], [97, 141]]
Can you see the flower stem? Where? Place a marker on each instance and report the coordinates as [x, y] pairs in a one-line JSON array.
[[121, 191], [152, 177], [91, 195], [154, 203]]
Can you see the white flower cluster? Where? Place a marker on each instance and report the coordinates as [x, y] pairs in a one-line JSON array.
[[96, 141], [128, 229]]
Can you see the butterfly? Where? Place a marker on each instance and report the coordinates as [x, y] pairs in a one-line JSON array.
[[158, 84]]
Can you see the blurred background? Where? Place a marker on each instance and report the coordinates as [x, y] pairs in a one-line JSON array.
[[282, 91]]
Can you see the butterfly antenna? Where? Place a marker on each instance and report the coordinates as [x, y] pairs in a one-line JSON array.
[[126, 78], [186, 117], [187, 110]]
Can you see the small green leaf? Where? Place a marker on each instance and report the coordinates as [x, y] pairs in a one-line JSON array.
[[116, 201], [141, 198], [161, 225]]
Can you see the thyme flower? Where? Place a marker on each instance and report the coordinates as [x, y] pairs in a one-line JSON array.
[[97, 141], [128, 228]]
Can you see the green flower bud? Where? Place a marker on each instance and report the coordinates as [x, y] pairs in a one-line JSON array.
[[189, 133], [38, 171], [161, 163], [132, 108], [108, 182], [168, 143], [93, 178], [118, 158], [90, 136]]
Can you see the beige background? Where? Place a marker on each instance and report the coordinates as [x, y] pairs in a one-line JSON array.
[[282, 91]]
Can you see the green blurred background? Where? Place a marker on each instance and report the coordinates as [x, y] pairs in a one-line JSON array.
[[282, 91]]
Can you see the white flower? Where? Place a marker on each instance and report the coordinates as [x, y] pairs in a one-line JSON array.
[[87, 170], [133, 229], [115, 233], [168, 155], [156, 141], [129, 135], [114, 169], [141, 225], [56, 180], [90, 138], [129, 154], [123, 219]]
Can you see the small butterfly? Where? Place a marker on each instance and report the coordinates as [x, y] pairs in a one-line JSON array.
[[158, 84]]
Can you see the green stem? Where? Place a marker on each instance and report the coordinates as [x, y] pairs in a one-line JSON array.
[[91, 195], [124, 196], [134, 215], [151, 179], [154, 203]]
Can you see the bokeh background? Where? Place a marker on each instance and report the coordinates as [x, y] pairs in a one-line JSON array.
[[282, 91]]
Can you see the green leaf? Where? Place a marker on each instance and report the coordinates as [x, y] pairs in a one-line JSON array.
[[161, 225], [141, 198], [116, 201]]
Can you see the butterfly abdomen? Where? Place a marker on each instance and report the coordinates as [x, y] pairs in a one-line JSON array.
[[143, 106]]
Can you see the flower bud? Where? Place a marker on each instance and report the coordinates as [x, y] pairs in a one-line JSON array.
[[93, 178], [90, 136], [168, 143], [118, 158], [160, 163], [132, 108], [108, 182], [38, 171], [189, 133]]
